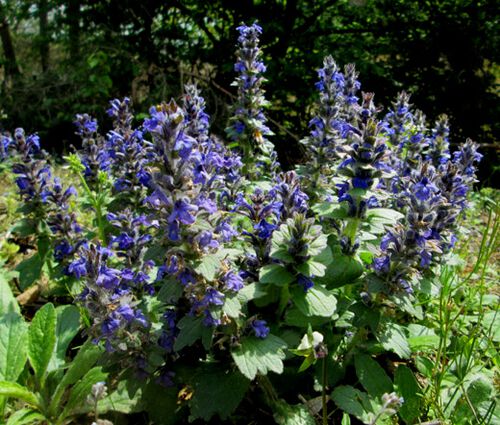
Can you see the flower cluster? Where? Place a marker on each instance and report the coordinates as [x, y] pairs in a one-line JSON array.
[[128, 154], [366, 162], [324, 142], [439, 146], [408, 249], [215, 167], [63, 222], [248, 124], [196, 119], [185, 202], [456, 178], [399, 119], [133, 237], [33, 172], [93, 154], [5, 143], [110, 299], [296, 242], [432, 199]]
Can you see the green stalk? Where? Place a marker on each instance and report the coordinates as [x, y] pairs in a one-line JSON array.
[[96, 204], [323, 393], [284, 298]]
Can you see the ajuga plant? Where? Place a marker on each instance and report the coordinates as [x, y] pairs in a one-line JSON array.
[[247, 127], [202, 271]]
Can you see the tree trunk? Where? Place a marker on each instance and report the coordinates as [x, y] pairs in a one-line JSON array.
[[44, 34], [11, 68], [73, 20]]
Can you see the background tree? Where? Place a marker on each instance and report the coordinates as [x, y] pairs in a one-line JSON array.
[[444, 52]]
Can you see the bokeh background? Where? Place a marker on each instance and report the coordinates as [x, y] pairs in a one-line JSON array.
[[62, 57]]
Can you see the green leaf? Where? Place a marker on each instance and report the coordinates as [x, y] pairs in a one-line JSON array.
[[232, 307], [317, 301], [275, 274], [85, 358], [171, 290], [13, 346], [286, 414], [161, 404], [407, 387], [191, 329], [383, 215], [251, 292], [216, 391], [422, 337], [68, 325], [354, 402], [295, 317], [78, 394], [317, 245], [29, 271], [371, 375], [13, 390], [312, 268], [342, 270], [209, 267], [127, 398], [346, 419], [25, 417], [42, 340], [43, 246], [121, 400], [257, 355], [425, 366], [8, 303], [394, 339], [24, 227]]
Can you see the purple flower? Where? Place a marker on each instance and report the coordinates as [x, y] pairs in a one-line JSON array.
[[108, 278], [382, 264], [182, 212], [226, 231], [78, 268], [264, 229], [260, 328], [213, 297], [233, 281], [305, 282]]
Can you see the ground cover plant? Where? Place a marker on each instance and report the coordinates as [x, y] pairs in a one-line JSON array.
[[164, 274]]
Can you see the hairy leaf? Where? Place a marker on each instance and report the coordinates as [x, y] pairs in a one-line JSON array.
[[42, 340], [317, 301], [275, 274], [257, 355], [286, 414], [408, 388], [216, 391], [13, 346], [13, 390], [371, 375]]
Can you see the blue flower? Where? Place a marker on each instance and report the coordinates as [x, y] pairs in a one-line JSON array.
[[78, 268], [233, 281], [182, 212], [108, 278], [305, 281], [260, 328], [264, 230]]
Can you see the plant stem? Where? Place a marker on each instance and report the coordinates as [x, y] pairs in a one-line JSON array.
[[323, 393]]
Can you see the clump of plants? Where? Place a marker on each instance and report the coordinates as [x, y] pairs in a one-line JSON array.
[[187, 277]]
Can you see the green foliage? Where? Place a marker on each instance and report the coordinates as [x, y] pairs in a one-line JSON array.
[[259, 356], [192, 329], [371, 375], [216, 391], [42, 340]]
